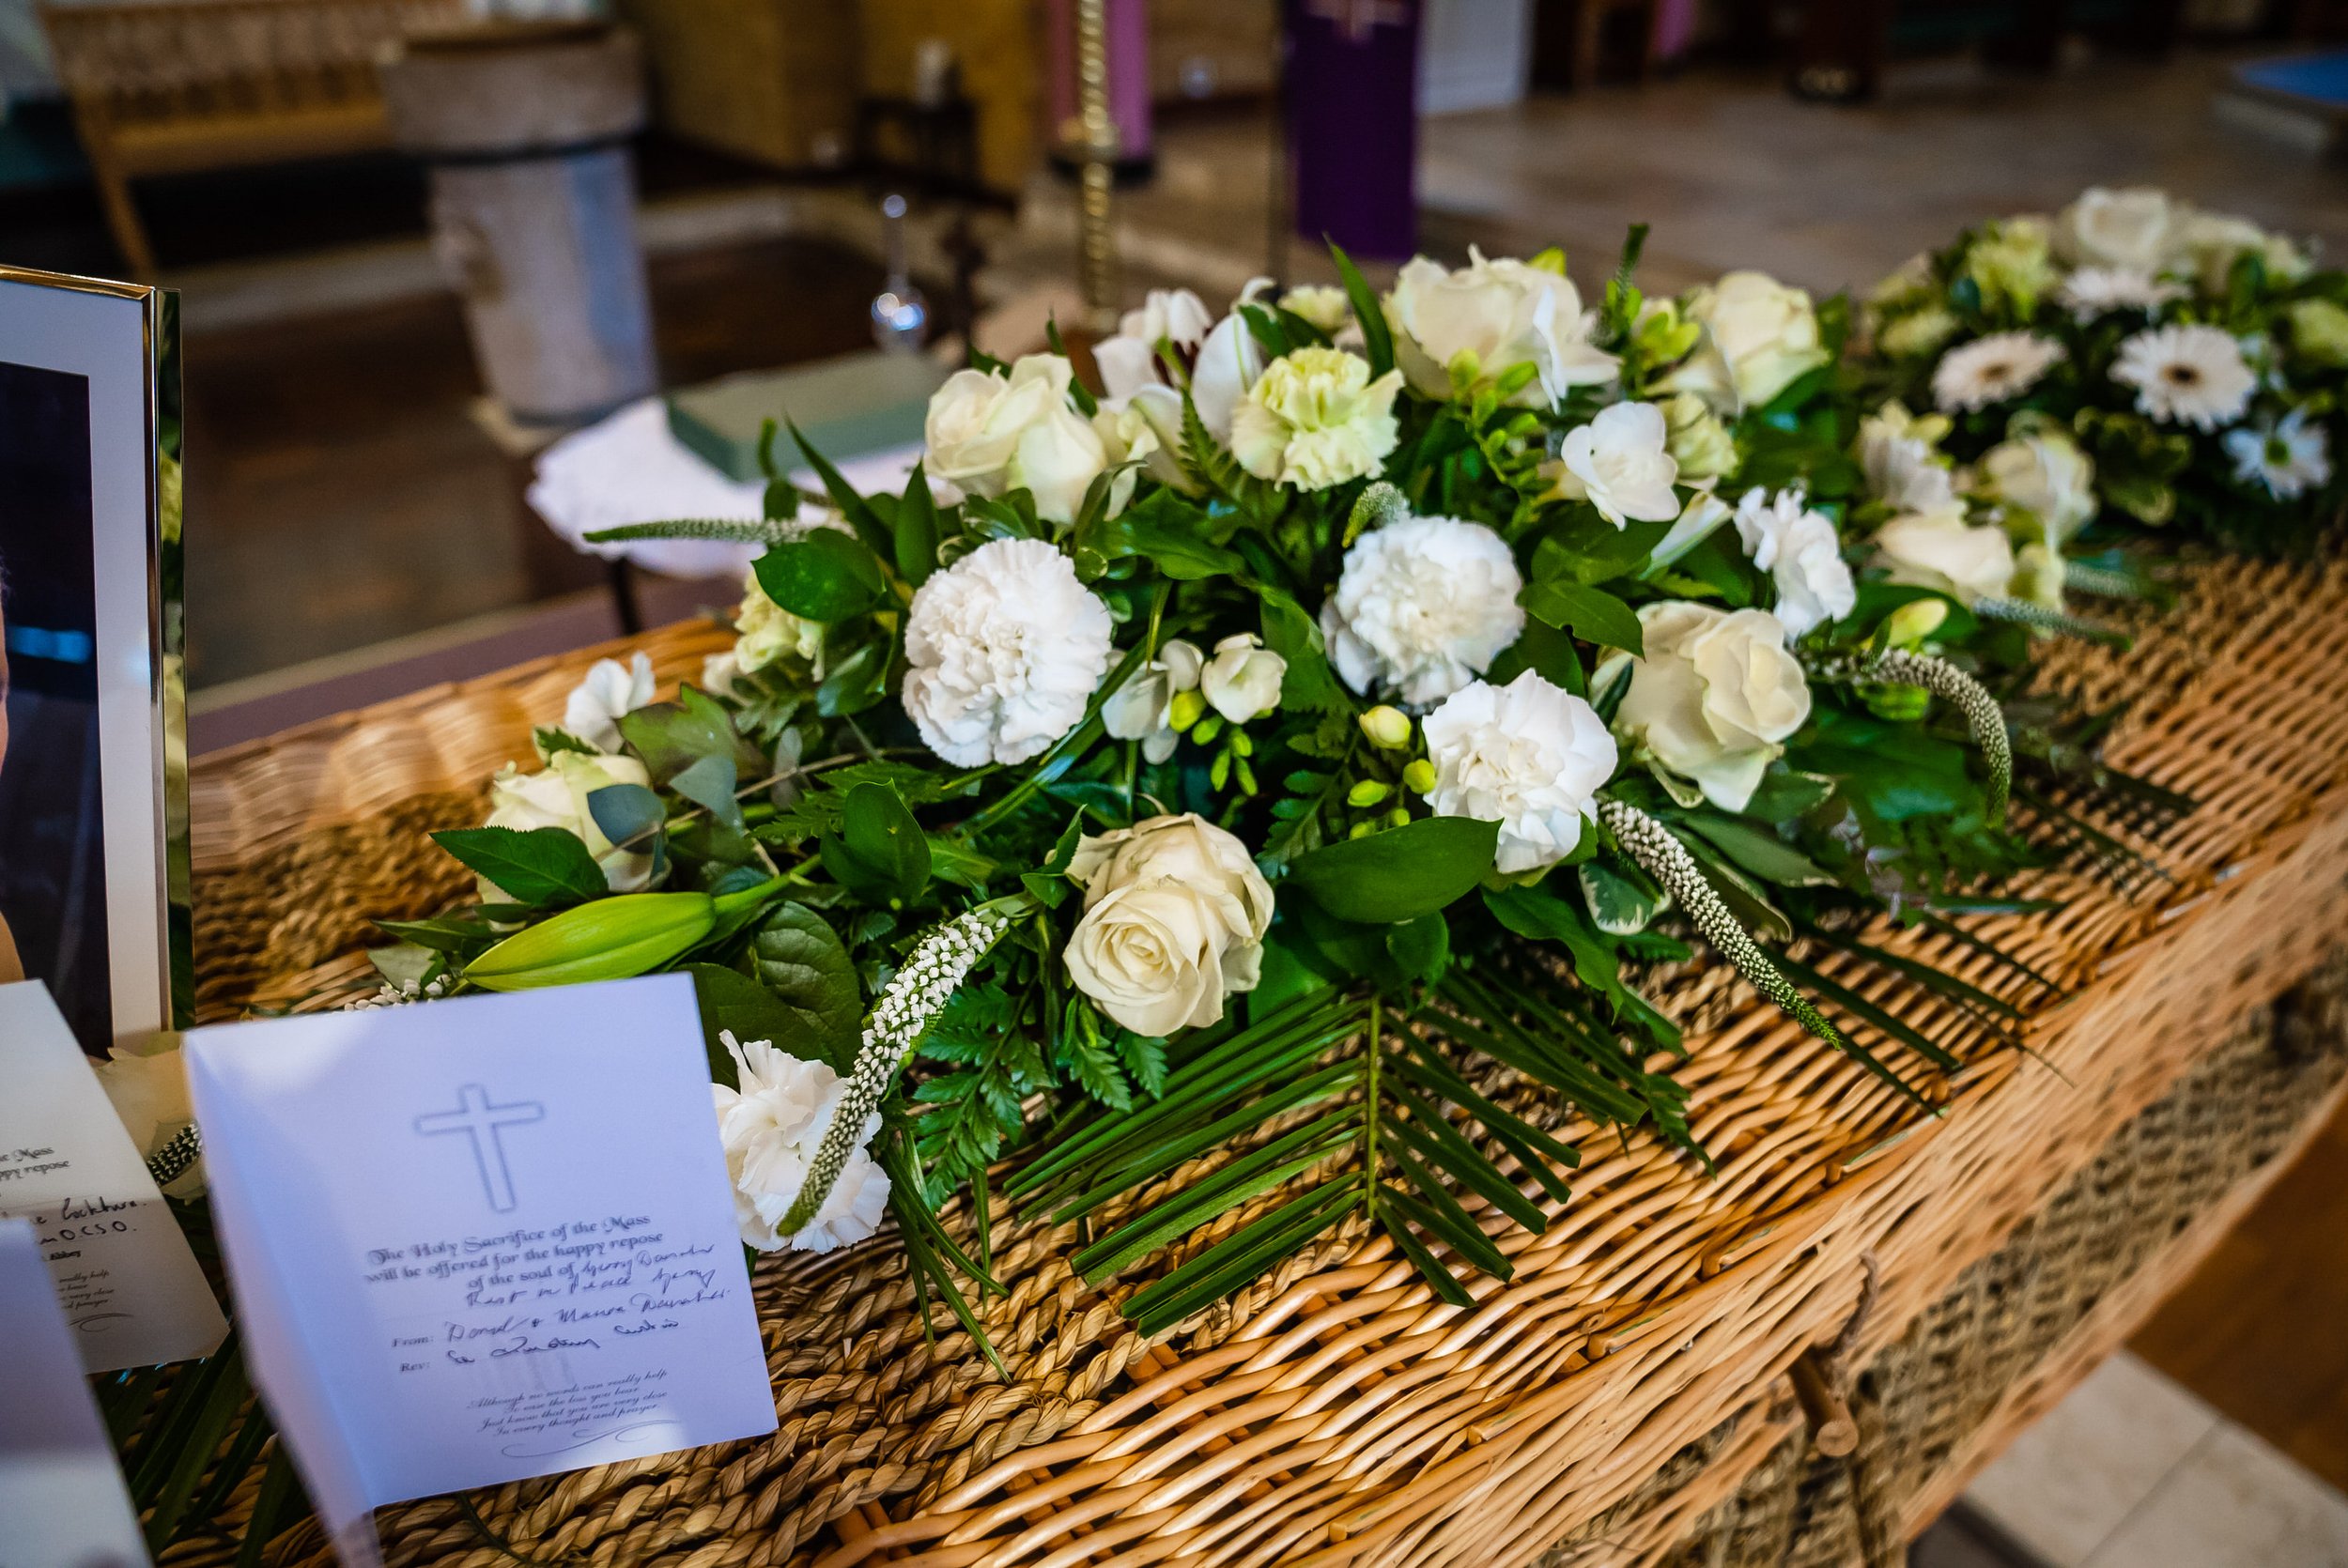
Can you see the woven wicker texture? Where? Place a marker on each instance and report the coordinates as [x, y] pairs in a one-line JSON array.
[[2018, 1326], [1336, 1414]]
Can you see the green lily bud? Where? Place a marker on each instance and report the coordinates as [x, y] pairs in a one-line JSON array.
[[1386, 727], [1369, 791], [1420, 775], [607, 939]]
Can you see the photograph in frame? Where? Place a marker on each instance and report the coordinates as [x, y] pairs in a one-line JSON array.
[[93, 818]]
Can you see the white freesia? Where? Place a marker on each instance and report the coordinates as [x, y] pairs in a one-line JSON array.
[[2137, 229], [610, 691], [1899, 452], [1129, 361], [1315, 418], [1175, 916], [1143, 708], [1942, 552], [1489, 317], [1618, 464], [2286, 459], [1991, 369], [1712, 698], [1005, 648], [1422, 607], [771, 1127], [1229, 362], [2182, 375], [1530, 756], [146, 1082], [2045, 474], [1798, 545], [556, 796], [1765, 332], [1706, 511], [989, 434], [1242, 680]]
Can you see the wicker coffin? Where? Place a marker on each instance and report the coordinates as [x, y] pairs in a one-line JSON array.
[[1336, 1413]]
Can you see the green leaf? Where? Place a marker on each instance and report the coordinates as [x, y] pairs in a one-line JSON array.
[[541, 867], [825, 576], [1762, 853], [1377, 337], [1591, 614], [1548, 652], [1401, 873], [799, 960], [710, 783], [442, 933], [1620, 903], [625, 812], [853, 506], [917, 530], [732, 1001], [1309, 685], [880, 851], [1421, 948], [672, 736]]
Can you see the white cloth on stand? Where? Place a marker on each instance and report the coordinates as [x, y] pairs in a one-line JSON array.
[[629, 467]]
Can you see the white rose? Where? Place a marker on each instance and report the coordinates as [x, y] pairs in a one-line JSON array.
[[556, 796], [2045, 474], [1175, 916], [1940, 551], [1004, 650], [1499, 314], [1242, 680], [989, 434], [1767, 333], [2137, 229], [771, 1127], [1422, 607], [1315, 418], [1800, 548], [1618, 464], [1528, 755], [2209, 244], [1143, 708], [610, 692], [1899, 452], [1712, 698]]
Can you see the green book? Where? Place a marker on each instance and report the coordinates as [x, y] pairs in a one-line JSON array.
[[847, 407]]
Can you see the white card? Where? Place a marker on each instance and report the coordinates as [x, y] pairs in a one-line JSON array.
[[62, 1501], [129, 1284], [480, 1240]]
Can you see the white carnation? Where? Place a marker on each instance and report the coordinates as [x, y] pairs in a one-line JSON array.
[[610, 693], [1528, 755], [1005, 647], [1422, 607], [1798, 545], [771, 1127]]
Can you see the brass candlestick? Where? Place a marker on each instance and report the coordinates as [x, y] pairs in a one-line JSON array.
[[1096, 234]]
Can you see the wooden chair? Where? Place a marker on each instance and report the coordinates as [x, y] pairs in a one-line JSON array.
[[168, 86]]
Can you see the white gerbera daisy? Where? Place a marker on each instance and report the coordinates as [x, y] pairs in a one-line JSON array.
[[2186, 375], [1991, 370], [2093, 291], [2286, 456]]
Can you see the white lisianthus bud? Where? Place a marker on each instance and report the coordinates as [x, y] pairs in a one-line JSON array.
[[1940, 551], [556, 796], [610, 693], [1242, 680], [1618, 464], [1492, 317], [1528, 755], [1005, 648], [1315, 418], [1711, 699], [1175, 916], [1800, 548], [1143, 708], [2045, 474], [1422, 607], [1766, 331]]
